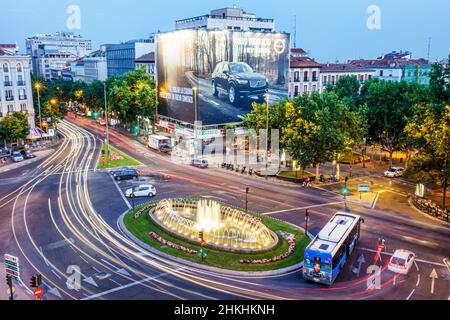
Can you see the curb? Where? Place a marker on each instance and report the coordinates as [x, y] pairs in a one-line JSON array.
[[426, 214], [273, 273]]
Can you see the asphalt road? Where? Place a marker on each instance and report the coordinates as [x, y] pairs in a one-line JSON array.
[[63, 213]]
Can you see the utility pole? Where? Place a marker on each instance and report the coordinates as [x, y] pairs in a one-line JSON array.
[[107, 123], [267, 136], [307, 219], [429, 48], [195, 121], [9, 283]]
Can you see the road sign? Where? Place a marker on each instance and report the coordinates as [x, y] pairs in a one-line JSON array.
[[12, 266], [38, 293], [363, 188]]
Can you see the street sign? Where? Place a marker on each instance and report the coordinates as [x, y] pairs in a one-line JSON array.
[[38, 293], [363, 188], [12, 266]]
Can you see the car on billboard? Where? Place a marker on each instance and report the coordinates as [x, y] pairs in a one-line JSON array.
[[238, 81]]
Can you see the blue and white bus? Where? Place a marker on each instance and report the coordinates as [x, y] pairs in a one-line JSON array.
[[326, 256]]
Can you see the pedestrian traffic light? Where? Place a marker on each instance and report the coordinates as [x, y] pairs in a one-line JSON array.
[[33, 282], [345, 191], [39, 280]]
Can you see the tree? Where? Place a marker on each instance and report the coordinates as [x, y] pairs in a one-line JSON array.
[[15, 127], [429, 131], [389, 106], [133, 96], [347, 89]]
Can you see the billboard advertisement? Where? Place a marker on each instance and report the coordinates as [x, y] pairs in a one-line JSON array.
[[214, 76]]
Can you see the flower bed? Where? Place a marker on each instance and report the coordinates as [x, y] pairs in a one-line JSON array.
[[161, 240], [290, 251], [115, 157], [141, 211]]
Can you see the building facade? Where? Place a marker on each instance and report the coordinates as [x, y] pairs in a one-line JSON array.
[[16, 93], [95, 67], [397, 66], [147, 62], [304, 74], [331, 73], [51, 52], [227, 18], [121, 58]]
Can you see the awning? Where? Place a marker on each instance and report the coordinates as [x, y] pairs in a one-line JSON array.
[[35, 133]]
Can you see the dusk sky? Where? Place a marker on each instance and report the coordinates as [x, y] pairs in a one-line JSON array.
[[330, 29]]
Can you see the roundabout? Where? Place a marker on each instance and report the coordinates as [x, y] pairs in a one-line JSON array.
[[209, 234]]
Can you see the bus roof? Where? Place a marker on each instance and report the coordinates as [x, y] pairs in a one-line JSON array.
[[334, 232]]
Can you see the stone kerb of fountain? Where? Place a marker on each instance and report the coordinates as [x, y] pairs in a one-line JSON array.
[[223, 227]]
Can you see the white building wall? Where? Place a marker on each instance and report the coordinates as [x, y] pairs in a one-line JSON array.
[[16, 93]]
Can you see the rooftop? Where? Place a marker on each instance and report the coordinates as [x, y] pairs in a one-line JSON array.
[[343, 67], [149, 57], [304, 62]]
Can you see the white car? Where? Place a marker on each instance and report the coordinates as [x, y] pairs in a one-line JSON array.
[[402, 262], [17, 157], [141, 191], [394, 172]]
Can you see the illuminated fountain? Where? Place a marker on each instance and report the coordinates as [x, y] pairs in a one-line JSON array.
[[223, 227]]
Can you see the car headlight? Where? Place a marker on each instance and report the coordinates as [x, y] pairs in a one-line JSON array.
[[241, 81]]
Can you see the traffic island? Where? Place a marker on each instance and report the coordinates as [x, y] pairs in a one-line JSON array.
[[116, 159], [263, 245]]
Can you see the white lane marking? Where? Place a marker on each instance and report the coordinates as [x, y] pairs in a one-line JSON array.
[[418, 281], [121, 193], [132, 284], [447, 264], [84, 260], [418, 260], [110, 264], [304, 208], [411, 294], [114, 281], [417, 266], [374, 203], [56, 274]]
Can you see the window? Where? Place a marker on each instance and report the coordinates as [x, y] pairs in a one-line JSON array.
[[19, 68], [23, 107], [5, 68], [295, 91], [314, 76], [306, 76], [314, 88], [305, 88], [324, 80], [381, 73], [10, 108], [296, 76]]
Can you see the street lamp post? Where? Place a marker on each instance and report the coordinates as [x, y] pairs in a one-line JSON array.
[[107, 122], [267, 135], [38, 89], [195, 120], [246, 198]]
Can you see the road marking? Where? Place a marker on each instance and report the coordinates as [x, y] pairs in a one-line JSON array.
[[411, 294], [418, 281], [304, 208], [56, 274], [374, 203], [434, 276], [121, 193], [114, 281], [418, 260], [447, 264], [132, 284]]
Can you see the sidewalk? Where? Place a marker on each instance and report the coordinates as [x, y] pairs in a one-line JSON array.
[[13, 165]]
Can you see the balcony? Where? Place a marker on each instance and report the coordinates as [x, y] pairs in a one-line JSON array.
[[23, 97], [8, 83], [21, 83], [9, 98]]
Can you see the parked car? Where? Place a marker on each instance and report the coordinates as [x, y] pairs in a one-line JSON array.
[[125, 175], [118, 169], [17, 156], [141, 191], [394, 172], [27, 154], [238, 81], [202, 164], [401, 262]]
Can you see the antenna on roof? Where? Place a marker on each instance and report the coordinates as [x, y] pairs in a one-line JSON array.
[[295, 31], [429, 48]]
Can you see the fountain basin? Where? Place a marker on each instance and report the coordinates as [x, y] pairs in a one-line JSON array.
[[222, 227]]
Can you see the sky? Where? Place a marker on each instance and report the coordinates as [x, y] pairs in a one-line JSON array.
[[330, 30]]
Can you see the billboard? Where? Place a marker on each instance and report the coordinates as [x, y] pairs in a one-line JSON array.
[[214, 76]]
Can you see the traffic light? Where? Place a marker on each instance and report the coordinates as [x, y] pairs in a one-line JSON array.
[[201, 235], [33, 282], [136, 130], [203, 243], [95, 115], [39, 280], [345, 191], [9, 281], [307, 212]]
